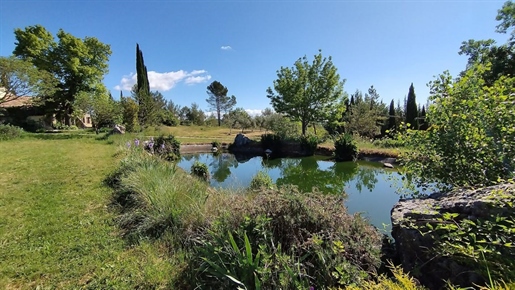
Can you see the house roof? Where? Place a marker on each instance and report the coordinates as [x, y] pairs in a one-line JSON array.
[[16, 102]]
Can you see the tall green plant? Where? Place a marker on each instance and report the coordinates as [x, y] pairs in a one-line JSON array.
[[471, 140]]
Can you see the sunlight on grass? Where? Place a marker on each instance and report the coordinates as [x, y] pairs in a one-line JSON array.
[[55, 229]]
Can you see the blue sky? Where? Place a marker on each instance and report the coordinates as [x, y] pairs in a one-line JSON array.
[[189, 44]]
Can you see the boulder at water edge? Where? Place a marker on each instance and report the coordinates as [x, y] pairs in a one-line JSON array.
[[416, 252]]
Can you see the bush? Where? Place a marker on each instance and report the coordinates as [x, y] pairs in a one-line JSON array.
[[261, 180], [167, 148], [200, 170], [310, 143], [389, 143], [216, 144], [281, 240], [8, 132], [345, 148], [271, 141]]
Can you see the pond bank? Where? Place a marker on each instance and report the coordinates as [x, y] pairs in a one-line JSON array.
[[365, 155]]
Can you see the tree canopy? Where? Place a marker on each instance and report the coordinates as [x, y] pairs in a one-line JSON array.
[[78, 65], [218, 99], [20, 78], [307, 91]]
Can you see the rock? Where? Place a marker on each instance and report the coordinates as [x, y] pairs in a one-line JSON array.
[[214, 149], [118, 129], [241, 140], [415, 251], [387, 165]]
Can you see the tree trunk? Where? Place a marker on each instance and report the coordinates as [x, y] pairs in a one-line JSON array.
[[304, 127], [315, 128]]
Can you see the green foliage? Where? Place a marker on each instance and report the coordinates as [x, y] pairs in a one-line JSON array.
[[283, 240], [471, 141], [8, 132], [485, 244], [281, 125], [273, 142], [130, 111], [200, 170], [153, 194], [20, 78], [399, 281], [167, 148], [411, 108], [218, 99], [365, 116], [103, 109], [216, 144], [389, 143], [78, 65], [307, 92], [345, 148], [261, 180], [310, 143], [238, 118]]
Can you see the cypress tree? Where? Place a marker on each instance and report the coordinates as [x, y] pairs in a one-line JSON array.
[[423, 125], [411, 108], [147, 114], [392, 117]]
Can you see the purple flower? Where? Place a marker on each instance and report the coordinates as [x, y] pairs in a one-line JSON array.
[[163, 146], [311, 288], [128, 144], [136, 142]]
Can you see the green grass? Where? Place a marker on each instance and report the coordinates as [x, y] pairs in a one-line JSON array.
[[56, 230]]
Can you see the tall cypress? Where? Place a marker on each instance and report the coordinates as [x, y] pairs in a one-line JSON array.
[[392, 122], [147, 111], [411, 108]]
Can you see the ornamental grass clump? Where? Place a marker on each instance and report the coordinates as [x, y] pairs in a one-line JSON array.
[[153, 196]]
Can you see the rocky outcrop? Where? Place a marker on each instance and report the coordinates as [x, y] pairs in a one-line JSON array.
[[416, 252]]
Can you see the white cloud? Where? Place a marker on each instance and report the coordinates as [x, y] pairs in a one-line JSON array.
[[226, 47], [254, 112], [165, 81]]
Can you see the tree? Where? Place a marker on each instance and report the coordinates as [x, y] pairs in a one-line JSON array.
[[148, 111], [78, 65], [100, 105], [21, 78], [218, 99], [195, 115], [130, 114], [238, 118], [392, 117], [411, 108], [307, 92], [471, 140]]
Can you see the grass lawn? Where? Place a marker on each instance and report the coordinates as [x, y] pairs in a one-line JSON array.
[[56, 230]]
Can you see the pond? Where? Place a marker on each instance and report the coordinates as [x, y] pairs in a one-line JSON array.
[[371, 189]]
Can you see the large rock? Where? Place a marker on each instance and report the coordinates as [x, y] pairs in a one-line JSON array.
[[241, 140], [416, 251]]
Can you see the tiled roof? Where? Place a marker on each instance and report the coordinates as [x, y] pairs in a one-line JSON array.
[[17, 102]]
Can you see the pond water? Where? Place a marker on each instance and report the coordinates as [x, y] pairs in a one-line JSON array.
[[371, 189]]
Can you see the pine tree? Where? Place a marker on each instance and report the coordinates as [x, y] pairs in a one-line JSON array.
[[411, 108], [147, 113]]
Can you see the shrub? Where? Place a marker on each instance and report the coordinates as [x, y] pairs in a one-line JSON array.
[[167, 147], [8, 132], [281, 240], [200, 170], [310, 143], [216, 144], [271, 141], [261, 180], [389, 143], [345, 148]]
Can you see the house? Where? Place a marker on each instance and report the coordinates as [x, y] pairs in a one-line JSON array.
[[23, 111]]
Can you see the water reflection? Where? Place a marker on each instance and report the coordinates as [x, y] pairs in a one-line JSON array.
[[369, 187]]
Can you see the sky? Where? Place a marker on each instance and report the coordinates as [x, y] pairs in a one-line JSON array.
[[189, 44]]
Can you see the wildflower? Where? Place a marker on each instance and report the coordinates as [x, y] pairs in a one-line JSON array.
[[163, 146], [128, 144], [136, 142]]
